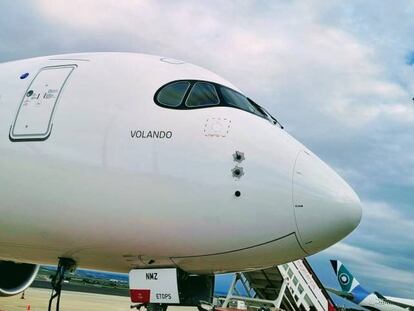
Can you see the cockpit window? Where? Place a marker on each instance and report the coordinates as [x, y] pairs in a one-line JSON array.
[[202, 94], [232, 98], [195, 94], [172, 94]]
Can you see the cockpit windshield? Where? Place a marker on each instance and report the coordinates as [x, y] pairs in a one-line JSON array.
[[235, 99], [268, 115], [193, 94]]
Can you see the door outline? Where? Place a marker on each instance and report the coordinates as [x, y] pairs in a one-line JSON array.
[[40, 136]]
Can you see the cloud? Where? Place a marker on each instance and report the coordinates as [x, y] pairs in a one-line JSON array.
[[379, 253], [387, 229], [372, 269], [265, 53]]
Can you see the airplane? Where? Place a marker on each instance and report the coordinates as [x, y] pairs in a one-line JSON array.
[[353, 291], [137, 163]]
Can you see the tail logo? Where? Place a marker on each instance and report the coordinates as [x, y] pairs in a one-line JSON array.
[[344, 279]]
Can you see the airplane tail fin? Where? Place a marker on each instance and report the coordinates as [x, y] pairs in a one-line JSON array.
[[345, 278], [351, 289]]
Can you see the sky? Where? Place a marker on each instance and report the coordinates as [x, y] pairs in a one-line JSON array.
[[339, 76]]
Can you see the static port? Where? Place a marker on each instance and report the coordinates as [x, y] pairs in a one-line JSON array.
[[29, 93], [237, 193]]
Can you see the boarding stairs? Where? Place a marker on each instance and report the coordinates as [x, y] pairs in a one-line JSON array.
[[290, 287]]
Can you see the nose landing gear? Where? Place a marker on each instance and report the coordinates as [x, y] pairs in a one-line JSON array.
[[64, 265]]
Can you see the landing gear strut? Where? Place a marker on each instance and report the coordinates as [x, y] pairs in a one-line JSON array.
[[65, 265]]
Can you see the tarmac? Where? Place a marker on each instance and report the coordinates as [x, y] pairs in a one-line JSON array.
[[37, 299]]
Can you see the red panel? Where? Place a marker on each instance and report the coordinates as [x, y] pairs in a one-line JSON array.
[[140, 295]]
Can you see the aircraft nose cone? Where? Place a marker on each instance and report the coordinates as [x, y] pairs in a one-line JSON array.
[[326, 207]]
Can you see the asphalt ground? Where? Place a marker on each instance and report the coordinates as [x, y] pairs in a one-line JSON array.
[[84, 288], [38, 299]]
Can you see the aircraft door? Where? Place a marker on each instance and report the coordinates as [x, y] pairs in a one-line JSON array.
[[34, 117]]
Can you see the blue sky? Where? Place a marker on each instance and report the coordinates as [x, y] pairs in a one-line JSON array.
[[338, 74]]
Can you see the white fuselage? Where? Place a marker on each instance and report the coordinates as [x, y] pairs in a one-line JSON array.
[[373, 303], [408, 302], [96, 188]]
